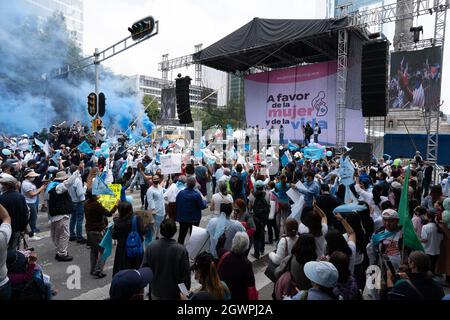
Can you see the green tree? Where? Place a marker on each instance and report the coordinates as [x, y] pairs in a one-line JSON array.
[[152, 108]]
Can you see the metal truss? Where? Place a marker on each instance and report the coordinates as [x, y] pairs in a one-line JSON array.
[[184, 61], [388, 13], [165, 72], [198, 68], [341, 86]]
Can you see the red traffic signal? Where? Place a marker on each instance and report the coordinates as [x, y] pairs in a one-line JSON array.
[[92, 104]]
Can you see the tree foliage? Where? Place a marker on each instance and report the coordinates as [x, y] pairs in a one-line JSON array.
[[153, 109]]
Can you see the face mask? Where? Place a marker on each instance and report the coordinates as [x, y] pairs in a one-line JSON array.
[[32, 179], [155, 182]]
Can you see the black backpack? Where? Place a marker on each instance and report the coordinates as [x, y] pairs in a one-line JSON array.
[[319, 131], [236, 184], [261, 209]]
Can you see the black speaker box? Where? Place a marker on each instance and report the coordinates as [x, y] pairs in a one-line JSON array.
[[361, 151], [374, 78]]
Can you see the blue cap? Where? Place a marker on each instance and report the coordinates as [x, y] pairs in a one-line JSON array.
[[127, 283], [259, 184]]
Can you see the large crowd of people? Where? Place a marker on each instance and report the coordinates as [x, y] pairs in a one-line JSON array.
[[329, 245]]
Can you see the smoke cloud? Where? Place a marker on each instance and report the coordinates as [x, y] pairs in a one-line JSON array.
[[31, 100]]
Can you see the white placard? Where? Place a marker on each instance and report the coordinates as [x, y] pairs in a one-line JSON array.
[[198, 241], [301, 186], [294, 195], [170, 163]]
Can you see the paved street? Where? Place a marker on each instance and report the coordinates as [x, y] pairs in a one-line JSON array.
[[98, 289]]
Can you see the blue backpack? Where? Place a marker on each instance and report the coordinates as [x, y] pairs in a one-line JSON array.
[[134, 243]]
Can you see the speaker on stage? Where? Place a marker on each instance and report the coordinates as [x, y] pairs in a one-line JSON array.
[[183, 101], [374, 78], [361, 151]]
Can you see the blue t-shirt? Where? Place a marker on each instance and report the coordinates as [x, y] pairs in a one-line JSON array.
[[282, 195]]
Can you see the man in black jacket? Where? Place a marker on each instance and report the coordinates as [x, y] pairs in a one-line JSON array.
[[169, 262], [16, 206]]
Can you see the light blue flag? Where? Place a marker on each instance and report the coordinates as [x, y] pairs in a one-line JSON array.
[[84, 147], [346, 171], [107, 243], [123, 169], [56, 156], [293, 146], [314, 152], [284, 160], [198, 154], [99, 187], [157, 158], [40, 144], [165, 144], [352, 207]]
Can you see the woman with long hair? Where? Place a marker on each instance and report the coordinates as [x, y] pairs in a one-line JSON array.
[[346, 285], [316, 224], [281, 188], [122, 227], [206, 274]]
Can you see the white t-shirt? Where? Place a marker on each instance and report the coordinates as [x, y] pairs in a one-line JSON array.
[[320, 241], [430, 233], [218, 198], [28, 186]]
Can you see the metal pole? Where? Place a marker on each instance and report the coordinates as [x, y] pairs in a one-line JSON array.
[[96, 62]]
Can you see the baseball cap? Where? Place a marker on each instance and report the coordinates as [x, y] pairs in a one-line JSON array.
[[7, 179], [390, 214], [259, 184], [127, 283], [322, 273]]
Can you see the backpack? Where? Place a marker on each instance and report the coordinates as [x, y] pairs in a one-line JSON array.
[[34, 289], [319, 131], [134, 243], [285, 285], [261, 209], [236, 184]]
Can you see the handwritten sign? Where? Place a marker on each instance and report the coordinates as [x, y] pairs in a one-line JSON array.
[[170, 163]]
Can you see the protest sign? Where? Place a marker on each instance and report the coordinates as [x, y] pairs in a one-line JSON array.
[[198, 241], [170, 163], [294, 195], [107, 201]]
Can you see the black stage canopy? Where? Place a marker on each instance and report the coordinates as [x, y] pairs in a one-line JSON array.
[[276, 43]]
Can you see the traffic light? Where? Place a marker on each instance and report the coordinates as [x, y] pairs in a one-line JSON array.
[[92, 104], [101, 104], [97, 124], [183, 101], [142, 28]]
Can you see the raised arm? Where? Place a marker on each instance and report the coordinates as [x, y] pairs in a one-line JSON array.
[[350, 232], [321, 213]]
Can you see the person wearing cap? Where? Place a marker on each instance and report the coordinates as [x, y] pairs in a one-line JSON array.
[[5, 236], [31, 194], [15, 204], [129, 284], [59, 209], [324, 278], [169, 262], [387, 243]]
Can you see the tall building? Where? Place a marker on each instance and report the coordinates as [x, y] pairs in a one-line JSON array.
[[71, 9], [235, 89], [153, 86]]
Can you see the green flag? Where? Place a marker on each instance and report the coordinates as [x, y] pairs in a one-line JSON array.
[[410, 238]]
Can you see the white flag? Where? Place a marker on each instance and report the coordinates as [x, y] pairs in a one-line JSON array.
[[46, 148]]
